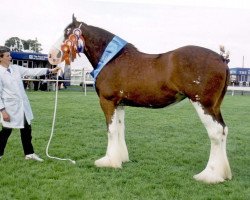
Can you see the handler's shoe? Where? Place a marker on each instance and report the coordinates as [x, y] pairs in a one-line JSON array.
[[33, 156]]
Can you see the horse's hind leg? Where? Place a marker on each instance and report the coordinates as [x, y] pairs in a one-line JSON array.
[[217, 169]]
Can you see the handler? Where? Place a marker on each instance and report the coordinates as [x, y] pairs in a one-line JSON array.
[[14, 104]]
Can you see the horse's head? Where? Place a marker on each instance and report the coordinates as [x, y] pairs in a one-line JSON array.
[[68, 46]]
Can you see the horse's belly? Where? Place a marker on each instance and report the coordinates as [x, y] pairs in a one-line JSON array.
[[152, 100]]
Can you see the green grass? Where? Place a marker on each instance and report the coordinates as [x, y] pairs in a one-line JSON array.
[[166, 146]]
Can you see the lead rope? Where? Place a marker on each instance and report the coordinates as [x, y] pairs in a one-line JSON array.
[[53, 126]]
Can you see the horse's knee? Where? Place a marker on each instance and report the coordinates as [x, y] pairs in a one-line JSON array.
[[216, 132]]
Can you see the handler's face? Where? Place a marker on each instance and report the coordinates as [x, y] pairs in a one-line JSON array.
[[6, 59]]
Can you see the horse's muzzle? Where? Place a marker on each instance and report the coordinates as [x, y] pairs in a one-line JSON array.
[[55, 54]]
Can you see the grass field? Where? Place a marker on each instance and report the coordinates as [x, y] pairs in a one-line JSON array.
[[166, 146]]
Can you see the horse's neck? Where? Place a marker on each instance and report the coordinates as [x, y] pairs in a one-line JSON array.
[[96, 41]]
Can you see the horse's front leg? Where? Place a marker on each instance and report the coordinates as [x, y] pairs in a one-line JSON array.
[[121, 134], [116, 150]]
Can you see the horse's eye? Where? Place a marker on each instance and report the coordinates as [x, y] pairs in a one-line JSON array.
[[68, 31]]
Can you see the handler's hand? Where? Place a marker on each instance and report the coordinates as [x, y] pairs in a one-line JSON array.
[[55, 70], [6, 116]]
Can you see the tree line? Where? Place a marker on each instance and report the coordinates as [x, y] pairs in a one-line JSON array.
[[17, 44]]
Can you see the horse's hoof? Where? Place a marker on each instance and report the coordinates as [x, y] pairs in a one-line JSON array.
[[106, 162], [208, 177], [125, 160]]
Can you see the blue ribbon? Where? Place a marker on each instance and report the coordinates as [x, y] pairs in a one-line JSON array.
[[115, 45]]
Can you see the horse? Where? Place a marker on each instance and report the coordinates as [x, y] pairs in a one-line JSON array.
[[133, 78]]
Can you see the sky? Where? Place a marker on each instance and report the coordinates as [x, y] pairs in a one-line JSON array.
[[153, 26]]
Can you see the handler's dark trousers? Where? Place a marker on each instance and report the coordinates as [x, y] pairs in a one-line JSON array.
[[25, 137]]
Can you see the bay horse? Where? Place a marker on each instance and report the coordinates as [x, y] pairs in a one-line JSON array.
[[133, 78]]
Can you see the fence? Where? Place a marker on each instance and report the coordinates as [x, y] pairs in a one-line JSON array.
[[241, 89], [78, 77]]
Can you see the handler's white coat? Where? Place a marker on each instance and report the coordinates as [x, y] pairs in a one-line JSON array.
[[13, 96]]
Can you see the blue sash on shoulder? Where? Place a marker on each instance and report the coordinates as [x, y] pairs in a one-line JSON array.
[[115, 45]]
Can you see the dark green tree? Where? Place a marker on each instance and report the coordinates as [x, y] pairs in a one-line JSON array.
[[32, 45], [17, 44], [14, 43]]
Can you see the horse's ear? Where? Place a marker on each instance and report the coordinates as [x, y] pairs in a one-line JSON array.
[[74, 18]]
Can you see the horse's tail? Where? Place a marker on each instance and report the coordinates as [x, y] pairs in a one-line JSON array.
[[227, 78], [224, 54], [225, 59]]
